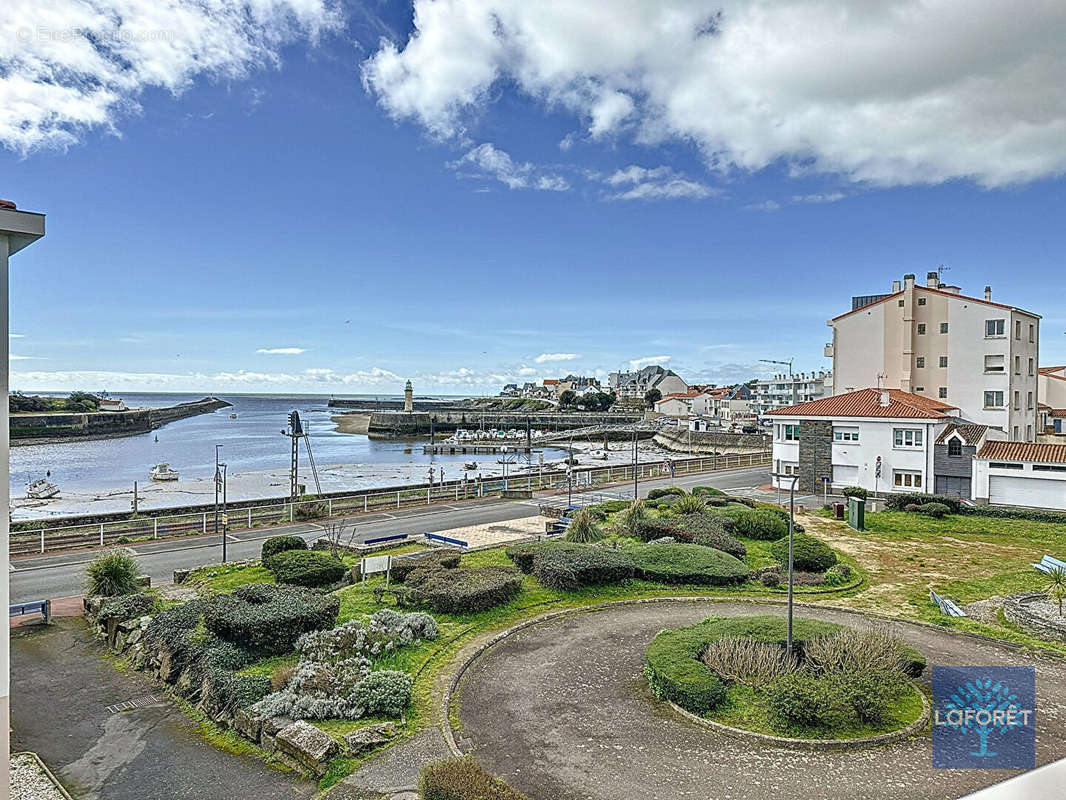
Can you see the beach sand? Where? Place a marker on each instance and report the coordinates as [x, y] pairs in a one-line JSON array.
[[351, 423]]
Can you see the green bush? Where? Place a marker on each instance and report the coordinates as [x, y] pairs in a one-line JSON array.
[[523, 555], [225, 691], [935, 510], [770, 579], [708, 490], [855, 491], [127, 606], [311, 568], [630, 520], [802, 701], [305, 509], [435, 559], [587, 566], [667, 491], [839, 575], [385, 692], [279, 544], [760, 524], [687, 563], [897, 502], [463, 779], [781, 512], [268, 619], [649, 530], [912, 508], [583, 528], [464, 590], [601, 510], [1001, 512], [767, 628], [808, 554], [676, 674], [710, 530], [111, 573], [689, 504]]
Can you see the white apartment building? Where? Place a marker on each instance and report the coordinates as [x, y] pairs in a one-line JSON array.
[[639, 382], [1051, 390], [785, 390], [933, 341]]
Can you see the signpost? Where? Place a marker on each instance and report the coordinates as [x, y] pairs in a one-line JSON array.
[[374, 565]]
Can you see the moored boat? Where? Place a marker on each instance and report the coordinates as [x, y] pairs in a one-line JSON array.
[[163, 472], [41, 489]]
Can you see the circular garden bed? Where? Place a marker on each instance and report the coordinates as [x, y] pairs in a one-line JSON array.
[[841, 685]]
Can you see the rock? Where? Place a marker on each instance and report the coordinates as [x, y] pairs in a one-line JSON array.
[[137, 652], [366, 739], [129, 625], [143, 580], [268, 732], [134, 636], [247, 724], [119, 643], [307, 745], [168, 665], [181, 575], [663, 540], [190, 683], [92, 604]]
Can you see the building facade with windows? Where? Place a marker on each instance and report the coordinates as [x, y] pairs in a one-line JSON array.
[[1021, 474], [972, 353], [784, 390]]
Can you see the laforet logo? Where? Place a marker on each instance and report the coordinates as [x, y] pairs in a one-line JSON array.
[[984, 717]]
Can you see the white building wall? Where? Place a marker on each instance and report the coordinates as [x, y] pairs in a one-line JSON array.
[[854, 367]]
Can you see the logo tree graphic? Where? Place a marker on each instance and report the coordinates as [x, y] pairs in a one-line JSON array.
[[973, 697]]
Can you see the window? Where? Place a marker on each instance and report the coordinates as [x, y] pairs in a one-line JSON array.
[[920, 362], [919, 388], [1028, 433], [995, 363], [790, 433], [1018, 329], [908, 437], [1015, 433], [955, 447], [901, 302], [943, 393], [1032, 333], [907, 480], [993, 399], [1017, 365], [1017, 401], [1004, 465], [790, 469], [845, 434], [943, 327], [1049, 467], [1031, 367], [994, 327], [943, 361], [1029, 400], [921, 329], [921, 301]]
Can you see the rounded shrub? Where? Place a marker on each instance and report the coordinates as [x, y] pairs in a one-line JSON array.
[[127, 606], [268, 619], [808, 554], [279, 544], [676, 673], [435, 559], [912, 508], [935, 510], [111, 573], [464, 590], [523, 555], [711, 530], [709, 491], [839, 575], [463, 779], [897, 501], [311, 568], [584, 566], [770, 579], [687, 563], [689, 504], [668, 491], [384, 692], [855, 491], [649, 530], [760, 523]]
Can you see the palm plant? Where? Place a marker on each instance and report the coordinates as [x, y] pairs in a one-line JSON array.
[[111, 573], [631, 519], [1055, 589], [583, 528]]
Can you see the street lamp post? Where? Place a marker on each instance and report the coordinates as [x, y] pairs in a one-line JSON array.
[[635, 464], [225, 516], [791, 530], [218, 485]]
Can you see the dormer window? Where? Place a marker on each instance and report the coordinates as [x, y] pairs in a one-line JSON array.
[[955, 447]]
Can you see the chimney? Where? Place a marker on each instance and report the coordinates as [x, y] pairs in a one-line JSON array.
[[908, 280], [886, 398], [895, 286], [932, 280], [988, 293]]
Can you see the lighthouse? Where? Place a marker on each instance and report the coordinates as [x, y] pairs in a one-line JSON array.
[[408, 398]]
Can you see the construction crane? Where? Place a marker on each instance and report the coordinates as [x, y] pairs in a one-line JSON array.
[[296, 432], [790, 378]]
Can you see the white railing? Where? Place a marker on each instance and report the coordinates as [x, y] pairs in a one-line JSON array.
[[170, 523]]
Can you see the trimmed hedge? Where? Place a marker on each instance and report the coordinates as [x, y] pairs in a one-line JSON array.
[[601, 510], [808, 553], [279, 544], [311, 568], [710, 530], [897, 502], [1029, 514], [935, 510], [855, 491], [667, 491], [464, 590], [585, 566], [687, 563], [781, 512], [463, 779], [648, 530], [708, 490], [436, 559], [761, 524], [268, 619], [127, 606], [523, 555]]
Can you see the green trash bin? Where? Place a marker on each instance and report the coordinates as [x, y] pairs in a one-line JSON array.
[[857, 513]]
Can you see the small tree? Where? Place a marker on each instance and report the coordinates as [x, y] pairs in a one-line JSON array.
[[567, 398], [651, 397], [111, 573], [1056, 587], [334, 532]]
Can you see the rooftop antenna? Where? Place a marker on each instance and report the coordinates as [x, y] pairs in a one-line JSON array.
[[880, 380], [940, 272], [296, 432]]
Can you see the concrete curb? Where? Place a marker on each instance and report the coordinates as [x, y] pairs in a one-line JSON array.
[[815, 744], [457, 676], [47, 773]]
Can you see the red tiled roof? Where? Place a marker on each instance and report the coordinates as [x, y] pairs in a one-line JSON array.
[[690, 393], [867, 403], [1049, 372], [1058, 412], [550, 381], [934, 291], [1024, 451]]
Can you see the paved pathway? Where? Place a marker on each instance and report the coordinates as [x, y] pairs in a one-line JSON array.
[[562, 711], [61, 687]]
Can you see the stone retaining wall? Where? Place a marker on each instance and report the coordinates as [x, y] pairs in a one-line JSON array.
[[1016, 610]]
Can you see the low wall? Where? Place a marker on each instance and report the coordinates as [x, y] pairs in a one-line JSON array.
[[103, 424], [1016, 609], [709, 442], [418, 422]]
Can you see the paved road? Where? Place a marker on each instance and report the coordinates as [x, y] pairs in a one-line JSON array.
[[63, 575], [61, 688], [562, 710]]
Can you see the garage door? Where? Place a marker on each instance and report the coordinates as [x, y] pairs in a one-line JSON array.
[[953, 486], [845, 476], [1017, 491]]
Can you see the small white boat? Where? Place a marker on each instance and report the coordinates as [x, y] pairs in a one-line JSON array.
[[470, 465], [163, 472], [41, 489], [600, 455]]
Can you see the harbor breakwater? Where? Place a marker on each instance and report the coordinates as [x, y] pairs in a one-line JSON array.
[[711, 442], [414, 423], [42, 428]]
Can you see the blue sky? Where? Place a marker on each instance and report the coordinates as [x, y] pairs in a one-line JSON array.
[[472, 202]]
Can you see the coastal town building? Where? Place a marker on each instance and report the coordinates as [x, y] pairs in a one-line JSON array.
[[637, 383], [684, 404], [1051, 383], [935, 342], [107, 404], [785, 390], [1020, 474]]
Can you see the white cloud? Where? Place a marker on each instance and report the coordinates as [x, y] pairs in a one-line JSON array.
[[488, 161], [888, 92], [546, 357], [829, 197], [637, 363], [282, 351], [322, 380], [765, 205], [655, 183], [68, 66], [526, 372]]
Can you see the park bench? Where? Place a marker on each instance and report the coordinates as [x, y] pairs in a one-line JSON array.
[[949, 607], [559, 526], [436, 537], [42, 607], [1049, 564]]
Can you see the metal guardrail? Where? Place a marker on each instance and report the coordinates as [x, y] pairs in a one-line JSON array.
[[165, 525]]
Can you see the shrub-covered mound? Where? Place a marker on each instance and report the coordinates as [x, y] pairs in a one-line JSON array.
[[464, 590], [587, 566], [436, 559], [760, 523], [268, 619], [127, 606], [687, 563], [463, 779], [279, 544], [523, 555], [710, 530], [667, 491], [311, 568], [808, 554]]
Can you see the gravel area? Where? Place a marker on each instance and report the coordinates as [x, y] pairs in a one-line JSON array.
[[29, 782]]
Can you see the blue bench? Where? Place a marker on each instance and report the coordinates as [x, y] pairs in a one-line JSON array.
[[394, 538], [436, 537], [949, 607], [559, 526], [1049, 564], [42, 607]]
